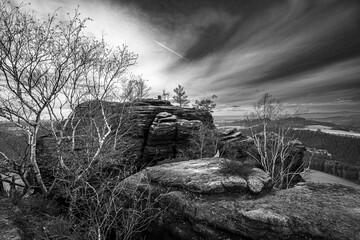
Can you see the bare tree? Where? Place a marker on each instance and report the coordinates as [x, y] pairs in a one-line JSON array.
[[267, 108], [142, 88], [37, 59], [48, 70], [97, 82], [93, 192], [273, 144], [134, 88], [48, 67]]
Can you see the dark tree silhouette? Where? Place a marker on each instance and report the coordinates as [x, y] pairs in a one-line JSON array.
[[180, 97], [206, 104]]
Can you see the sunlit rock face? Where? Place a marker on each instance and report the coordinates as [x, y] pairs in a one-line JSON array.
[[199, 201]]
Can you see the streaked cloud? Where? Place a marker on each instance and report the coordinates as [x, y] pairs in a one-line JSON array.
[[305, 52]]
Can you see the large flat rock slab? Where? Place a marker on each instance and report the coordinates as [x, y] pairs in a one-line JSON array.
[[204, 176], [197, 205]]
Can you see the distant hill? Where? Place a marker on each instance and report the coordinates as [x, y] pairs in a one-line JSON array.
[[347, 119], [296, 122]]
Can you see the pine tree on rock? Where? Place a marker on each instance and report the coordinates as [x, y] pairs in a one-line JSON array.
[[205, 104], [180, 97]]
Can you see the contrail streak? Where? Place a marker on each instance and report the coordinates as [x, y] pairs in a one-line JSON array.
[[161, 45]]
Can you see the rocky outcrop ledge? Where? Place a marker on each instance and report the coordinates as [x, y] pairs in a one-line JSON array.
[[201, 202]]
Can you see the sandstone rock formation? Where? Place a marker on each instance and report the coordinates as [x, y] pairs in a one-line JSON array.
[[152, 129], [201, 203]]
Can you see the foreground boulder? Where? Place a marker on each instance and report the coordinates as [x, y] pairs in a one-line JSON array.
[[201, 202]]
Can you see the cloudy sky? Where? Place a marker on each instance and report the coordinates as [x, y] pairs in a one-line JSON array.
[[305, 52]]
